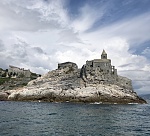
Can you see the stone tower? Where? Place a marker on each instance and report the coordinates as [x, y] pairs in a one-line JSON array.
[[104, 55], [99, 70]]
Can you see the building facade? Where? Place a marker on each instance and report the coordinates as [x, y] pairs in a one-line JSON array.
[[100, 71], [18, 72]]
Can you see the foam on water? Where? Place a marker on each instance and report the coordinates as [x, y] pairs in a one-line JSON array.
[[56, 119]]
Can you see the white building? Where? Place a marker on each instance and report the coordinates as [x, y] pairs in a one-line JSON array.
[[16, 72]]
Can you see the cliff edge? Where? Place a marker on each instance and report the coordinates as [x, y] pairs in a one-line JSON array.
[[96, 81]]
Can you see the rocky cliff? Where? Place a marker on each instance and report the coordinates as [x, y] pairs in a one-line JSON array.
[[68, 83]]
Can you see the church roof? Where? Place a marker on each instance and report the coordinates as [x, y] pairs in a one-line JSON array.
[[104, 52], [101, 60]]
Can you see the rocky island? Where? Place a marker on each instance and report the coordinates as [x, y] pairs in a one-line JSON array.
[[96, 81]]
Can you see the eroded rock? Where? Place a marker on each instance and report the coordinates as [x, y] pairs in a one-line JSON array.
[[97, 81]]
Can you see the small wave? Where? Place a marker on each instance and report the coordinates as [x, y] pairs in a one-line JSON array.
[[57, 102], [96, 103], [52, 113], [132, 103]]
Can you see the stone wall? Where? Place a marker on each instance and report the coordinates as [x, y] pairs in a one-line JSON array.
[[100, 71], [70, 65], [16, 72], [97, 75]]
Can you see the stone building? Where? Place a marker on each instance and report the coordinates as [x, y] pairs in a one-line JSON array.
[[97, 71], [16, 72], [67, 64], [100, 71]]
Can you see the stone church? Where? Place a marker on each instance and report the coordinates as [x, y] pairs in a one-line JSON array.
[[101, 69], [98, 71]]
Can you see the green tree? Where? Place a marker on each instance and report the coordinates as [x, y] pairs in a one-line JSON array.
[[4, 74]]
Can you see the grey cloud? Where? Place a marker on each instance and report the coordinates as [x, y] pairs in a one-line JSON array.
[[142, 87], [20, 51], [68, 36], [22, 18], [2, 47], [126, 65], [23, 54], [3, 62], [134, 29], [50, 39], [38, 50], [140, 80], [146, 52], [136, 74]]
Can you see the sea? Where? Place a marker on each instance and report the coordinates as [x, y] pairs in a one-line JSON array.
[[72, 119]]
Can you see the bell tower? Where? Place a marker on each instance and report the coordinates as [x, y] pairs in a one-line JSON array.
[[104, 55]]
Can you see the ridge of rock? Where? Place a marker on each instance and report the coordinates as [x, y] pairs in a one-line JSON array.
[[96, 81]]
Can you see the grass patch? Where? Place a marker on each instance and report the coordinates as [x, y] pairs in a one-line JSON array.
[[3, 80]]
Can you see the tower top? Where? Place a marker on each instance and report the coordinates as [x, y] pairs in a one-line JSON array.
[[104, 55], [104, 52]]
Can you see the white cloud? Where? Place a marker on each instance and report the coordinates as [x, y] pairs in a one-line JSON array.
[[68, 36], [2, 47], [88, 16], [51, 11], [140, 79], [146, 52], [32, 15], [142, 87], [134, 29]]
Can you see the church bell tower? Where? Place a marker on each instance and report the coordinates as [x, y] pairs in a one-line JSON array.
[[104, 55]]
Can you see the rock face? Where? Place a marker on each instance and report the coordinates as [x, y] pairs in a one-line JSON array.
[[96, 81]]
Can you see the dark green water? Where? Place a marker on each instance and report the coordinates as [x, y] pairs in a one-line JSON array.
[[67, 119]]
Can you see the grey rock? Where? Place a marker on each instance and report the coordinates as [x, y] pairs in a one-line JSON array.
[[96, 81], [3, 96]]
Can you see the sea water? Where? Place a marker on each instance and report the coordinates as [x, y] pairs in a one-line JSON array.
[[69, 119]]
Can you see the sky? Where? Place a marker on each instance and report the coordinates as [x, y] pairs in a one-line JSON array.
[[39, 34]]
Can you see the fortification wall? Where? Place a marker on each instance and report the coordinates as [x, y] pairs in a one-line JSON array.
[[70, 65], [19, 71], [97, 75]]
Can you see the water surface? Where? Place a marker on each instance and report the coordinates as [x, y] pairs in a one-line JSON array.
[[68, 119]]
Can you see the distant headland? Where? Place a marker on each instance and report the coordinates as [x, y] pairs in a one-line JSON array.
[[96, 81]]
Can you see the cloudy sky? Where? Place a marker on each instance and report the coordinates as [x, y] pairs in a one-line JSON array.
[[39, 34]]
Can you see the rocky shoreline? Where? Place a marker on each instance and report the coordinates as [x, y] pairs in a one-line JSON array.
[[96, 81], [57, 98], [66, 85]]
